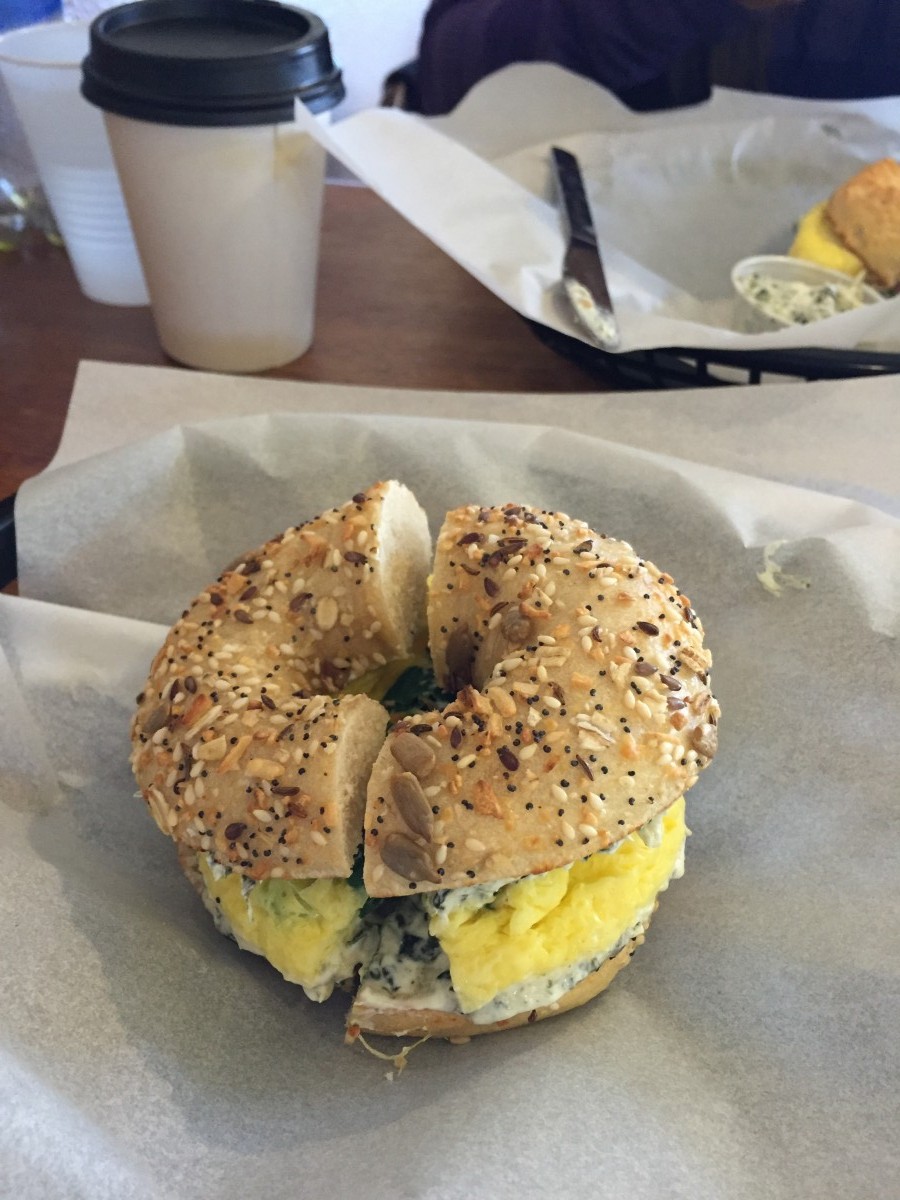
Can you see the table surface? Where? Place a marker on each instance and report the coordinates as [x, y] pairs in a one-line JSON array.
[[393, 310]]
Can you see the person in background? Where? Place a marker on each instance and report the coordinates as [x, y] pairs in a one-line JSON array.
[[656, 54], [836, 50]]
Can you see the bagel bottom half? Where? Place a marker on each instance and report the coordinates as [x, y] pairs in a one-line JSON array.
[[433, 1023]]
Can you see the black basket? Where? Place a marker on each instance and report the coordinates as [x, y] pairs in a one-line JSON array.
[[675, 367], [8, 568]]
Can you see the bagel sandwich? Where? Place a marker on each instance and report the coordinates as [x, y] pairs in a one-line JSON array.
[[490, 860], [856, 230]]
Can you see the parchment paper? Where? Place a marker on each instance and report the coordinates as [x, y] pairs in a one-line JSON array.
[[678, 197], [751, 1048]]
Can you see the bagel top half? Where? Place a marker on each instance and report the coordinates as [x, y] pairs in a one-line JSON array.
[[583, 707], [582, 704]]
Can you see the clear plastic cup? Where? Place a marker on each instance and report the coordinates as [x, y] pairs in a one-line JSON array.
[[41, 67]]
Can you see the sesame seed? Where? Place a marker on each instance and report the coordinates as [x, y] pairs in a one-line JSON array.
[[509, 664], [326, 613]]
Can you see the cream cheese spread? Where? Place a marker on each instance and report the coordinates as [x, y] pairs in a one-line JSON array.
[[409, 970], [793, 302], [598, 322]]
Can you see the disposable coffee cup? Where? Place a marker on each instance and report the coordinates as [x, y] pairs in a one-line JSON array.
[[41, 68], [223, 187]]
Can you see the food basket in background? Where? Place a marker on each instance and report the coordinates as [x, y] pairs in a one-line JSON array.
[[683, 367]]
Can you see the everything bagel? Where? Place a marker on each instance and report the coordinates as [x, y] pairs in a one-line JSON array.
[[483, 864]]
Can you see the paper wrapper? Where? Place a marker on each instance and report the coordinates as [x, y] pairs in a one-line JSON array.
[[678, 197], [750, 1050]]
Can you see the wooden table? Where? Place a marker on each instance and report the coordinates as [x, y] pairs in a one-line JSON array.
[[393, 310]]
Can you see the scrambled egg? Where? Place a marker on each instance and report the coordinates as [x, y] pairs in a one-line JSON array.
[[817, 242], [539, 926], [489, 951], [310, 930]]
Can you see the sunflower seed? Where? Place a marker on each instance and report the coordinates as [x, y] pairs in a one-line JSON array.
[[515, 627], [156, 720], [413, 754], [705, 740], [402, 856], [412, 805]]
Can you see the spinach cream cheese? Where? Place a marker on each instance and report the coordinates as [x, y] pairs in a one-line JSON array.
[[796, 303]]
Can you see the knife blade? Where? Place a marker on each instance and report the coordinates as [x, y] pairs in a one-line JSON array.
[[583, 277]]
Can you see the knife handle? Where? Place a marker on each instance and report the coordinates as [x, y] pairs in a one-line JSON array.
[[575, 201]]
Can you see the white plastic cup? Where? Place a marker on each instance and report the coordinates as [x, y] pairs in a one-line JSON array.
[[41, 67], [223, 186]]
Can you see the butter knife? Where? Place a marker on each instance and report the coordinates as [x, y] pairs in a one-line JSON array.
[[583, 277]]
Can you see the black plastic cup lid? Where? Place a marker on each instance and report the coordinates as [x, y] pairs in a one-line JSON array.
[[209, 62]]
